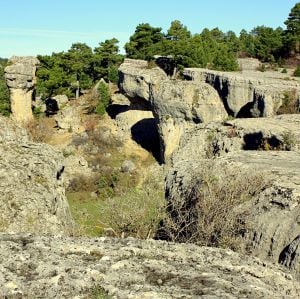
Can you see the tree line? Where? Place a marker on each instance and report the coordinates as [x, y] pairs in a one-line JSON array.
[[77, 69]]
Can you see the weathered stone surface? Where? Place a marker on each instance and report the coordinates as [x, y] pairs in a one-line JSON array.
[[215, 138], [20, 78], [247, 94], [61, 100], [273, 214], [135, 79], [248, 64], [127, 268], [32, 193], [75, 165], [126, 120], [179, 105], [69, 119]]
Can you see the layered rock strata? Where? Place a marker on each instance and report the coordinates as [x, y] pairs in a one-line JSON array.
[[248, 94]]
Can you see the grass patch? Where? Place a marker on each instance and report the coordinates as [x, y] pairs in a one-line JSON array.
[[85, 211]]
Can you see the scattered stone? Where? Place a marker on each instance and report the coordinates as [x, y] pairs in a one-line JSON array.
[[128, 166]]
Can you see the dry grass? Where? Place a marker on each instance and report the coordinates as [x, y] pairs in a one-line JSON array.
[[290, 103], [208, 212], [41, 129]]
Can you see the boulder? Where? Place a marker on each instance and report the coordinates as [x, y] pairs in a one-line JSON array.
[[248, 94], [32, 189], [20, 79], [69, 119], [135, 79], [61, 100], [55, 267]]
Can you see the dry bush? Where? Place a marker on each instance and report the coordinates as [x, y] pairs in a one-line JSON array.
[[290, 103], [91, 123], [83, 183], [208, 213], [41, 129], [136, 213]]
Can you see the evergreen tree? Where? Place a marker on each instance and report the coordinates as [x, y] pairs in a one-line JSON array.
[[142, 43], [106, 60], [292, 33]]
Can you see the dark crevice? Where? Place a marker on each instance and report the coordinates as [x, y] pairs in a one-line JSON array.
[[145, 133]]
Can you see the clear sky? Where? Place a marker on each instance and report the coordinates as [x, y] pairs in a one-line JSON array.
[[31, 27]]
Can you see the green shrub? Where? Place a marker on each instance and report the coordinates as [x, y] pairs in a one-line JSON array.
[[104, 98], [284, 71], [297, 71], [289, 140], [4, 93], [136, 213]]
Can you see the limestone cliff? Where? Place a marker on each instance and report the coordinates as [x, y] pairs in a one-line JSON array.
[[247, 94]]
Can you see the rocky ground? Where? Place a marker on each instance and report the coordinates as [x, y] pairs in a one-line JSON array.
[[55, 267]]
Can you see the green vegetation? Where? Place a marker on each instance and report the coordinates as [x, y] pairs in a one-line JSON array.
[[4, 94], [78, 69], [104, 98], [297, 71], [99, 293]]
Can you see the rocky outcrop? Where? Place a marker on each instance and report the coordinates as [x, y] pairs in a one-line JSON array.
[[264, 134], [135, 79], [247, 94], [272, 211], [32, 193], [178, 105], [34, 267], [248, 64], [70, 119], [20, 78]]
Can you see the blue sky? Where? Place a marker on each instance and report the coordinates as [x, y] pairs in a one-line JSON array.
[[31, 27]]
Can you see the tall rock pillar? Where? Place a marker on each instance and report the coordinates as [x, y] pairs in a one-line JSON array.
[[20, 79]]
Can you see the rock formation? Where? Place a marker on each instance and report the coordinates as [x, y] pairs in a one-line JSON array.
[[34, 267], [249, 148], [251, 94], [20, 78], [194, 133], [177, 105], [135, 79], [32, 193]]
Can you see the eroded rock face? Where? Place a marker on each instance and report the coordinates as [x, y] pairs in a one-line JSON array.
[[128, 268], [20, 79], [135, 79], [176, 104], [32, 191], [179, 105], [214, 139], [247, 94]]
